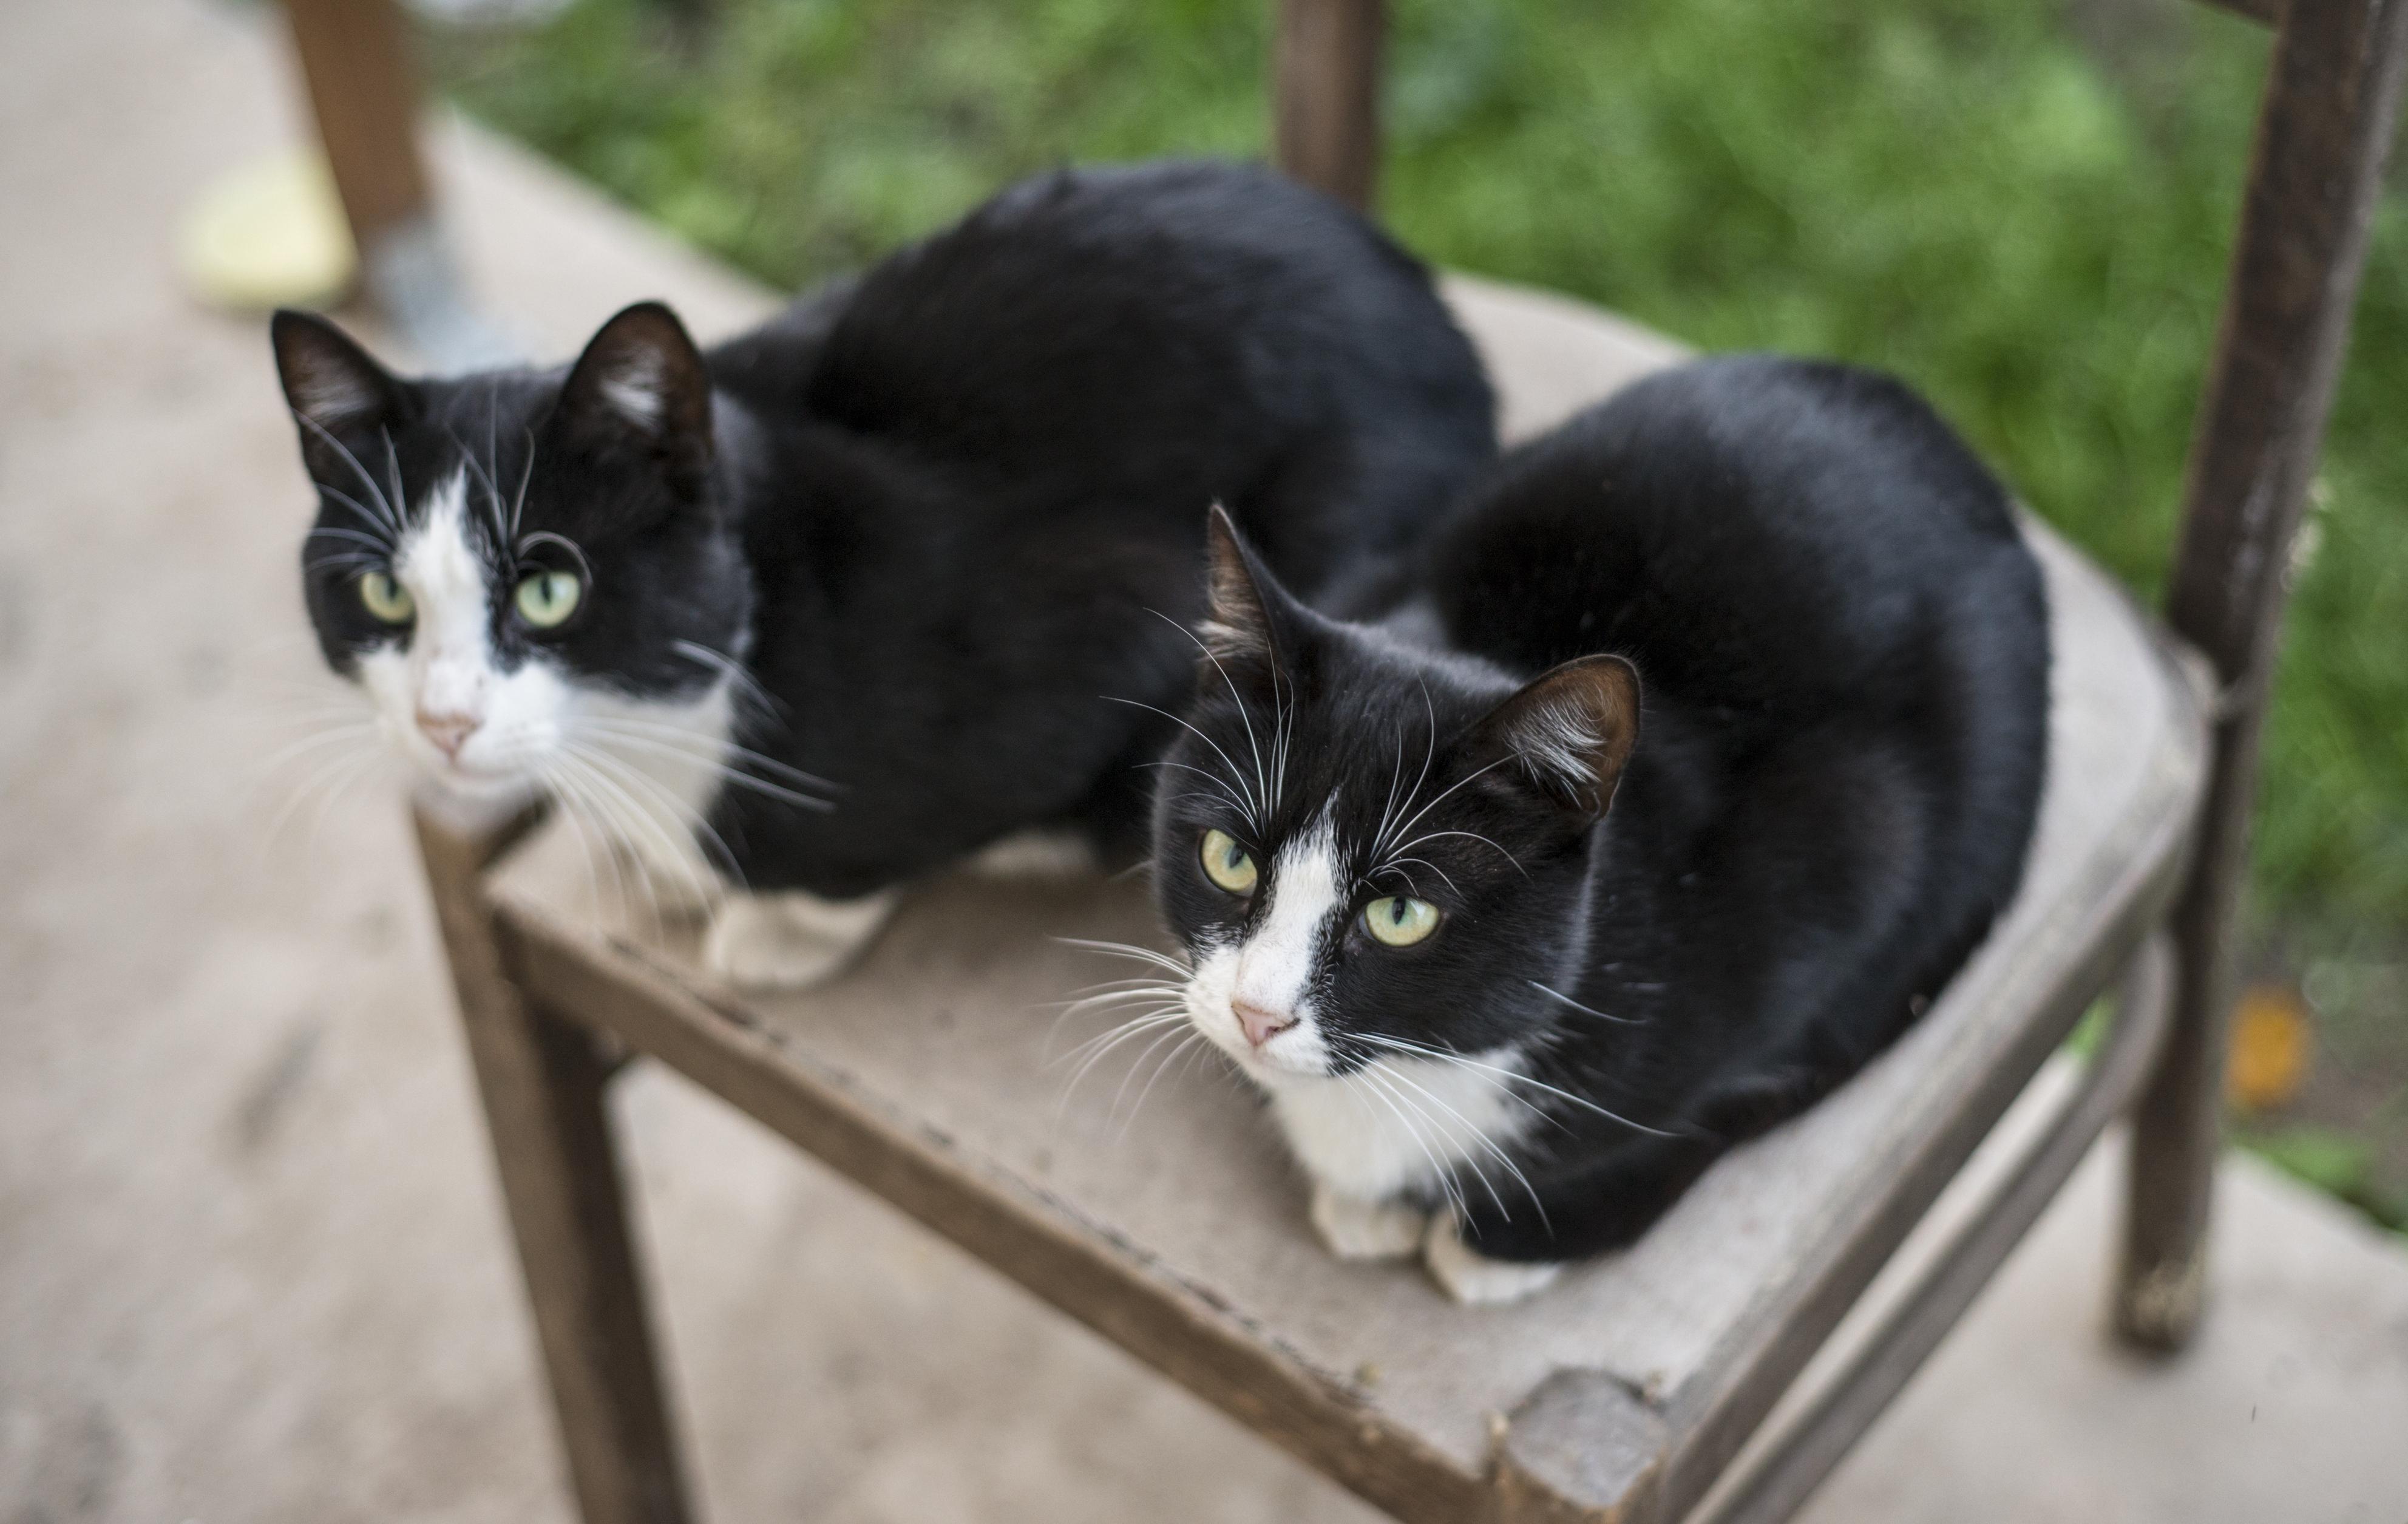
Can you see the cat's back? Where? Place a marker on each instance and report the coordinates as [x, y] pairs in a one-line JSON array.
[[1198, 304], [1760, 534]]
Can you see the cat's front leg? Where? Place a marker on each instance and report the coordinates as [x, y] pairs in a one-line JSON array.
[[1471, 1277], [1355, 1229], [791, 939]]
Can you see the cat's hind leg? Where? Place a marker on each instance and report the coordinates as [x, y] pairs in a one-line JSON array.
[[790, 940]]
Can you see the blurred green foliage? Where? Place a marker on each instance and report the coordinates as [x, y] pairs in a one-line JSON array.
[[2338, 1163], [2022, 208]]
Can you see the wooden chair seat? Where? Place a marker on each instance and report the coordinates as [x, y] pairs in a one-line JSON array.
[[1160, 1208]]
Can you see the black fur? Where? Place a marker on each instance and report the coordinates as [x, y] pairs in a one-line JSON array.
[[1842, 645], [943, 513]]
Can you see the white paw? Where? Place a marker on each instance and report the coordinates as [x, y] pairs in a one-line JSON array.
[[1355, 1229], [1473, 1278], [790, 941], [1044, 853]]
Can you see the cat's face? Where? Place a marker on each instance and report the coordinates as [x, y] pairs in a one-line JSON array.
[[524, 572], [1369, 852]]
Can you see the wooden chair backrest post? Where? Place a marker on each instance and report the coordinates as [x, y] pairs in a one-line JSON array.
[[355, 65], [2324, 124]]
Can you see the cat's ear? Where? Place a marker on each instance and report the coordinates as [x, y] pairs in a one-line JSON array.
[[1570, 730], [1244, 606], [641, 380], [332, 385]]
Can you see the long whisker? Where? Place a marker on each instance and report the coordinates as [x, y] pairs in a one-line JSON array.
[[612, 811], [1566, 999], [1245, 716], [1490, 1144], [391, 516], [680, 812], [1173, 1035], [746, 684], [526, 474], [1429, 754], [1254, 810], [1514, 1077], [1450, 1187], [359, 536], [1185, 1044], [392, 463], [1449, 790], [1232, 795], [680, 734], [661, 746], [1125, 1032], [1440, 836], [484, 479], [1129, 950]]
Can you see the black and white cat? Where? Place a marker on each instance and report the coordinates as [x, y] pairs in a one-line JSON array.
[[1502, 1025], [843, 599]]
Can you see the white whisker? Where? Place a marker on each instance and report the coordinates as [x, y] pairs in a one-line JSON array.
[[1514, 1077], [1566, 999]]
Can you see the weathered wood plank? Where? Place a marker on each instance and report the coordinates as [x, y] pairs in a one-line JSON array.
[[1813, 1448], [1088, 1270]]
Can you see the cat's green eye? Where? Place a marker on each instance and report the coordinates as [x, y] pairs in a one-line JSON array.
[[1227, 863], [548, 598], [387, 599], [1400, 921]]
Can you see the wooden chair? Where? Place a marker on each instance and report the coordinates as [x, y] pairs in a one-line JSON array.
[[1625, 1391]]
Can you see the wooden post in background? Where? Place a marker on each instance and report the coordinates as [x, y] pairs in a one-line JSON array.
[[355, 57], [1325, 84], [355, 62], [2331, 105]]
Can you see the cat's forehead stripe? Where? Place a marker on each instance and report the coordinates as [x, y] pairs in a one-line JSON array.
[[444, 572], [1277, 962]]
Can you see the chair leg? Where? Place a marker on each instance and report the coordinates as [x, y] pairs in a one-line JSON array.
[[2332, 102], [2161, 1284], [543, 1081]]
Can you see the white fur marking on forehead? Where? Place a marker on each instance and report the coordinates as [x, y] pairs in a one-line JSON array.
[[1307, 894], [447, 578]]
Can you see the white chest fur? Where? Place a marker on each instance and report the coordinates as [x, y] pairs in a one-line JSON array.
[[1405, 1124]]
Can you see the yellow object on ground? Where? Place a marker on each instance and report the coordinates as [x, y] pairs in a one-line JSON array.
[[2268, 1058], [271, 234]]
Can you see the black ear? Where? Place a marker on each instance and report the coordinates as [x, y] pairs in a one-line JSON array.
[[641, 380], [1244, 606], [1570, 730], [330, 382]]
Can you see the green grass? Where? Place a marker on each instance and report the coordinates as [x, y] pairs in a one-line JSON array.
[[2030, 226]]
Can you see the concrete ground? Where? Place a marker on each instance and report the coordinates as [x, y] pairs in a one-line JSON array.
[[251, 1266]]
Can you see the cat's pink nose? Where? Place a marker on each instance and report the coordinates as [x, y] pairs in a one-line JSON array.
[[1259, 1024], [449, 732]]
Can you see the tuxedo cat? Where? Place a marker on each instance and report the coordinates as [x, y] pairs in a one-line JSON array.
[[903, 571], [1706, 750]]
